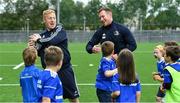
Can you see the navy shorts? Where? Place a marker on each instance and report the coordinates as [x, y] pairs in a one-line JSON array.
[[67, 78], [103, 96], [160, 93]]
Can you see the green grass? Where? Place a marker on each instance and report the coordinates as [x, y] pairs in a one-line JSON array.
[[10, 54]]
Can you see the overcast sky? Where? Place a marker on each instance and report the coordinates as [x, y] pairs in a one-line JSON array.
[[103, 1]]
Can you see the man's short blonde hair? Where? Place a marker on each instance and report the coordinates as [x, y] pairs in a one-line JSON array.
[[48, 11], [107, 9]]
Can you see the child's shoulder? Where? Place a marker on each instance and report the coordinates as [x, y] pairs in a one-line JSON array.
[[48, 73], [105, 59], [175, 66]]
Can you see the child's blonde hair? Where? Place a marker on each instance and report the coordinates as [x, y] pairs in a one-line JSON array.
[[160, 47]]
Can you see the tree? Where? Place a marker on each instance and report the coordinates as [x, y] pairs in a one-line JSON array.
[[118, 12], [67, 10], [164, 14], [80, 15], [32, 10], [91, 13], [135, 11], [17, 12]]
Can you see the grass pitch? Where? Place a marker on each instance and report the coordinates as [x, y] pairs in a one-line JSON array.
[[85, 67]]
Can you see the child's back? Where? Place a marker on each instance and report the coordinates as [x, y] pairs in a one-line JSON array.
[[28, 82], [126, 86], [107, 69], [127, 92], [29, 76], [49, 84]]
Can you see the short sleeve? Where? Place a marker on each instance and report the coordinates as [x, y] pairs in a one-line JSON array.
[[167, 76], [138, 87], [105, 66]]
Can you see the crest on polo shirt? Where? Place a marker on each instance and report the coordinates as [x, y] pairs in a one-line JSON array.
[[116, 32], [43, 36], [103, 36]]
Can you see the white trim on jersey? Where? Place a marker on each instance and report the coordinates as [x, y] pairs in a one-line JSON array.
[[50, 87]]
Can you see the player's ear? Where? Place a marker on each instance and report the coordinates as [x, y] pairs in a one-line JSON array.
[[60, 64]]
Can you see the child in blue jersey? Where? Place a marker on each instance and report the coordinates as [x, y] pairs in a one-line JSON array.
[[107, 69], [49, 83], [172, 74], [29, 76], [158, 76], [126, 85]]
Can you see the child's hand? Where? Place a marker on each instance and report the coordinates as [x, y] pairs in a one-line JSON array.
[[162, 88], [157, 77], [155, 73]]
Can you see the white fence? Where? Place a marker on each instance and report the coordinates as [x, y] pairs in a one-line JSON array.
[[80, 36]]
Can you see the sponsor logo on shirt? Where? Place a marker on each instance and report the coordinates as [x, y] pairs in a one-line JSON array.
[[76, 93], [43, 36], [103, 36], [116, 32]]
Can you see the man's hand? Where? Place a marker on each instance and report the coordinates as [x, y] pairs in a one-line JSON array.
[[96, 49], [32, 39]]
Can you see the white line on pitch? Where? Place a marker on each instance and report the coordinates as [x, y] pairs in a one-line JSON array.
[[12, 65], [18, 66], [81, 84], [73, 52]]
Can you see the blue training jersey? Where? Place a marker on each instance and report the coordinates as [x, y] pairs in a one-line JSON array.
[[103, 82], [28, 83], [160, 66], [50, 86], [127, 92]]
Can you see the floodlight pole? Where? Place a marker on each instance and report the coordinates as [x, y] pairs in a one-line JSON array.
[[27, 26], [84, 24], [141, 22], [58, 11]]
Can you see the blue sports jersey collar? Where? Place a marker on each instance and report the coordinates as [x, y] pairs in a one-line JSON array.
[[175, 65], [30, 66], [108, 59], [53, 74]]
